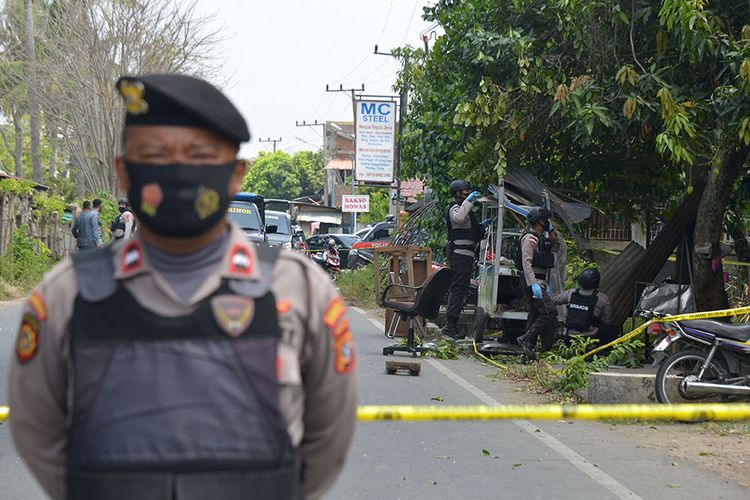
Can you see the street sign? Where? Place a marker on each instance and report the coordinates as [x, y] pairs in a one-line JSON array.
[[375, 130], [355, 203]]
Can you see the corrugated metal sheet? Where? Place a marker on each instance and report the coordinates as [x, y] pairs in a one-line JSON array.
[[636, 265]]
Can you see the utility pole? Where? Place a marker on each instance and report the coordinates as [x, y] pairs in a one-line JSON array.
[[274, 141], [354, 120], [395, 205], [326, 173]]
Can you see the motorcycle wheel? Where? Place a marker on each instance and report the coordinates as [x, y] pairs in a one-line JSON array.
[[679, 365]]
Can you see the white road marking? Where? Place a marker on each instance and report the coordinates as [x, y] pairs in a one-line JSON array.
[[578, 461]]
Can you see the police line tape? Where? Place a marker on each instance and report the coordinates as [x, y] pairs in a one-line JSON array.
[[679, 317], [679, 412]]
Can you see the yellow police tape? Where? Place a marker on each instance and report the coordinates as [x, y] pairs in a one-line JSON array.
[[682, 412], [679, 317], [687, 412]]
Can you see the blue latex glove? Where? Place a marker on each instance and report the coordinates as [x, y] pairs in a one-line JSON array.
[[473, 196], [487, 222], [536, 291]]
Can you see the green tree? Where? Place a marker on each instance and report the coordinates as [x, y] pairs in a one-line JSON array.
[[632, 100], [280, 175]]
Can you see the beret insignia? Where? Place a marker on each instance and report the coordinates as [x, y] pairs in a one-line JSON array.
[[133, 91]]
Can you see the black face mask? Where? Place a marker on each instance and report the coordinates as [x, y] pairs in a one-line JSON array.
[[179, 200], [121, 209]]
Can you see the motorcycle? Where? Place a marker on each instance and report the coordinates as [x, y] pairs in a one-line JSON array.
[[329, 261], [711, 362]]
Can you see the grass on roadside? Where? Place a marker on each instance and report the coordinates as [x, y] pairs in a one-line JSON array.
[[23, 265], [358, 287]]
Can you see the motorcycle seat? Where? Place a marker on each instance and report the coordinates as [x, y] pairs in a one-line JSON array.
[[720, 329]]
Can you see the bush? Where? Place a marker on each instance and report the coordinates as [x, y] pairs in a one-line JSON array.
[[25, 261], [358, 287]]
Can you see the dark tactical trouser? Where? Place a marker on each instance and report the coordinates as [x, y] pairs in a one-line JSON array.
[[462, 266], [541, 321]]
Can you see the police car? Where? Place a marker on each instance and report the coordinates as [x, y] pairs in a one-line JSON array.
[[248, 211]]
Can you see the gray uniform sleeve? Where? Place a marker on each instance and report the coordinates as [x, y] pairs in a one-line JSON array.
[[528, 243], [38, 380], [606, 306], [330, 384], [562, 299], [460, 214]]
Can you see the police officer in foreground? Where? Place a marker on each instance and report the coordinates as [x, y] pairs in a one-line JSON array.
[[464, 235], [231, 373], [124, 224], [538, 248], [589, 310]]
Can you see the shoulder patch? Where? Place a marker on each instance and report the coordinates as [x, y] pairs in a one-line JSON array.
[[343, 343], [233, 313], [27, 342], [38, 305], [345, 359], [336, 309], [132, 257]]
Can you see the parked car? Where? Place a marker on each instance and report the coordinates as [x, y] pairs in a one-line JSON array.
[[378, 236], [362, 232], [247, 210], [344, 242], [284, 235]]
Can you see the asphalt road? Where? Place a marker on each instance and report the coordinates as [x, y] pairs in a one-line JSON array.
[[392, 460]]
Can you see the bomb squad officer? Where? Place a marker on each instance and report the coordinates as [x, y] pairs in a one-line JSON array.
[[465, 233], [538, 248], [231, 373], [589, 310]]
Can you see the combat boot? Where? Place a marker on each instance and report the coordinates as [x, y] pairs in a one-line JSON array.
[[451, 329]]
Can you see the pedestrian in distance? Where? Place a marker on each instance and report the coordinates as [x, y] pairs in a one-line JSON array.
[[123, 226], [83, 228], [538, 248], [184, 363], [96, 222], [589, 311], [465, 233]]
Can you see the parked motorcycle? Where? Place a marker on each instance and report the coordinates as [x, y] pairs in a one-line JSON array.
[[329, 261], [709, 363]]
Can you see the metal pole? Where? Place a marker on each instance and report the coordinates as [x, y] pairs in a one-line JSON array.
[[354, 157], [499, 237]]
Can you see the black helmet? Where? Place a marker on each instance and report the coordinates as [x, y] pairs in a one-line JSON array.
[[459, 185], [589, 278], [538, 213], [123, 201]]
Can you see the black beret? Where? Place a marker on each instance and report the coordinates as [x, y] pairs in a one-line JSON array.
[[181, 100]]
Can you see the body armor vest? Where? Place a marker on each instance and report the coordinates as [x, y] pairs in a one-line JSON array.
[[174, 408], [581, 312], [119, 225], [543, 256], [475, 233]]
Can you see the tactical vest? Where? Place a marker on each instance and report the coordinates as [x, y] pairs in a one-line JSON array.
[[543, 256], [174, 408], [119, 224], [581, 312], [474, 234]]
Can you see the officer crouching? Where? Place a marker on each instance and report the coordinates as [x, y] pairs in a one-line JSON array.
[[589, 311], [184, 363]]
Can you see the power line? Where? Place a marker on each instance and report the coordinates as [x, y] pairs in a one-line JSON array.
[[269, 140]]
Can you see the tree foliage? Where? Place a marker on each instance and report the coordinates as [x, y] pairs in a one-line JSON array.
[[629, 101], [281, 175]]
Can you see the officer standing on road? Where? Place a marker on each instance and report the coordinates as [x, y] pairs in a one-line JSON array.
[[589, 310], [538, 248], [230, 374], [124, 225], [464, 235]]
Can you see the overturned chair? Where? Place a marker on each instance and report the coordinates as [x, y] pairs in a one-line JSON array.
[[426, 304]]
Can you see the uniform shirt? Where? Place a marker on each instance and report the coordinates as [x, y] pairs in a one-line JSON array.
[[318, 389], [528, 247], [459, 216], [602, 309]]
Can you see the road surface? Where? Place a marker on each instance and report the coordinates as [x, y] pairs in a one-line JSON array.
[[447, 460]]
